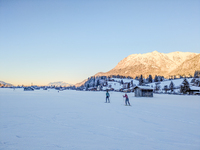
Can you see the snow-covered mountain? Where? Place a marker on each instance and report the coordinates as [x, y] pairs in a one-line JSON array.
[[5, 84], [188, 66], [81, 83], [59, 83], [153, 63]]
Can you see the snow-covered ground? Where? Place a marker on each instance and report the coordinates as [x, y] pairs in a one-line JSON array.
[[77, 120], [177, 83]]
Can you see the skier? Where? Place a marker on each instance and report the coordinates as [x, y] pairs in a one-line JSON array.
[[127, 100], [107, 97]]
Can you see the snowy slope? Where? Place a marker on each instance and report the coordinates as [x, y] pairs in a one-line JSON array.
[[75, 120], [116, 85], [136, 82], [177, 83]]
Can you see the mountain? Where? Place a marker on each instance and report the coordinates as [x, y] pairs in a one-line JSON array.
[[5, 84], [153, 63], [81, 83], [59, 83], [188, 66]]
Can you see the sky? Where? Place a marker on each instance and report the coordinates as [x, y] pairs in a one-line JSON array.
[[44, 41]]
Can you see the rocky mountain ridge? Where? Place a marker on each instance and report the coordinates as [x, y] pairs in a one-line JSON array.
[[154, 63], [188, 66]]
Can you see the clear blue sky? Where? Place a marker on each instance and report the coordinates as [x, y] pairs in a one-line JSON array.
[[44, 41]]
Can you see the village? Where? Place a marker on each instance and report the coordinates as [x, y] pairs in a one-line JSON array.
[[190, 86], [141, 86]]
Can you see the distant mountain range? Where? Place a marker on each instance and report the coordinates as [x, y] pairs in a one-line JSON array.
[[59, 83], [5, 84], [155, 63]]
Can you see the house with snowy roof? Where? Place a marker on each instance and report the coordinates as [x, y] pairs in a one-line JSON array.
[[194, 90], [143, 91]]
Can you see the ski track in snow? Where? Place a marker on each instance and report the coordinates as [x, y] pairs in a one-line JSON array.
[[81, 120]]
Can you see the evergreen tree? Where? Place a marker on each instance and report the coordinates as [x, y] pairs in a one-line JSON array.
[[150, 79], [197, 83], [122, 82], [128, 85], [93, 81], [97, 83], [141, 80], [185, 86], [87, 86], [129, 77], [181, 89], [136, 78], [156, 78], [162, 78], [197, 74], [171, 86]]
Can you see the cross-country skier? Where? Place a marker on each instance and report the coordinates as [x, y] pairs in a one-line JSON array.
[[107, 97], [127, 100]]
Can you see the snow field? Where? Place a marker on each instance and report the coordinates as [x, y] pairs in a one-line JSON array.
[[77, 120], [177, 83]]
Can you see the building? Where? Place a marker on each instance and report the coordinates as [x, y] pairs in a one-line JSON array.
[[92, 89], [143, 91], [28, 89], [194, 90]]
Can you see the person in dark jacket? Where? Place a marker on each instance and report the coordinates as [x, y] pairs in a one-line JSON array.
[[107, 97], [127, 100]]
